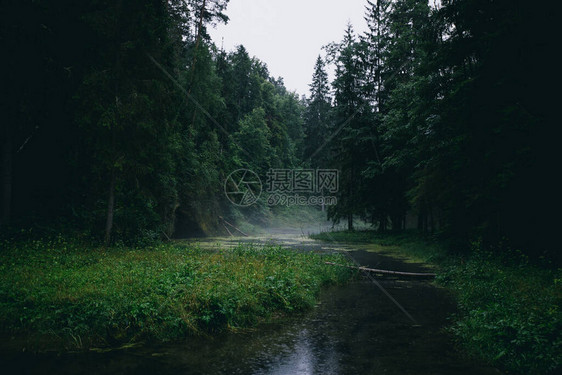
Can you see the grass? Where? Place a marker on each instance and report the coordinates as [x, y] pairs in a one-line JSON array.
[[60, 294], [409, 245], [509, 309]]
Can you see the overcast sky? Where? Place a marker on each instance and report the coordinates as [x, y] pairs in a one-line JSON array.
[[288, 34]]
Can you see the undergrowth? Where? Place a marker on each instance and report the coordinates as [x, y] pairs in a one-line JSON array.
[[64, 293], [509, 308]]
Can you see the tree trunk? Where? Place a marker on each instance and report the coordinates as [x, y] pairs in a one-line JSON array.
[[431, 223], [396, 222], [110, 210], [382, 224], [350, 222], [7, 178]]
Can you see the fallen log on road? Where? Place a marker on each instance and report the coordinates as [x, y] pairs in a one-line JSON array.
[[386, 272]]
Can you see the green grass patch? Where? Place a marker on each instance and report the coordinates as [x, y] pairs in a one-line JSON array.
[[409, 246], [61, 293], [509, 309]]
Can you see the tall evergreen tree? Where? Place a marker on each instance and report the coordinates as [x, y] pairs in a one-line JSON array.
[[496, 128], [318, 119], [376, 40], [407, 105], [350, 108]]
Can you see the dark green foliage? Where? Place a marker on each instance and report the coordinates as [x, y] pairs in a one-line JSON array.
[[509, 311], [122, 119], [254, 138], [491, 172], [350, 114], [80, 296], [509, 307], [318, 118], [448, 118]]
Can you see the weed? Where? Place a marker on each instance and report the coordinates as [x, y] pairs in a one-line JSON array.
[[509, 310], [94, 296]]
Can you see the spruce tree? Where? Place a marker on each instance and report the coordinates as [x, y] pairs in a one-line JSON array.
[[318, 120], [350, 108]]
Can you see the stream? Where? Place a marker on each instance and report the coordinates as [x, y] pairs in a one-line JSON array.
[[354, 329]]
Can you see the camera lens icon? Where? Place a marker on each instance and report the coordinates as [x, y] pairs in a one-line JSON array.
[[243, 187]]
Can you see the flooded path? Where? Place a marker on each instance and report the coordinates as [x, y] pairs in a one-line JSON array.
[[354, 329]]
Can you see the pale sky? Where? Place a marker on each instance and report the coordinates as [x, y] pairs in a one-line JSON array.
[[288, 34]]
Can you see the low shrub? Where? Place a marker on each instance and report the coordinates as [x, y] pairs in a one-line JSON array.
[[84, 296], [509, 309]]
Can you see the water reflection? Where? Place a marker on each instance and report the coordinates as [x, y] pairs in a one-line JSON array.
[[308, 355], [354, 329]]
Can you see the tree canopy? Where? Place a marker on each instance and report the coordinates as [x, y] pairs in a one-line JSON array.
[[442, 112], [122, 119]]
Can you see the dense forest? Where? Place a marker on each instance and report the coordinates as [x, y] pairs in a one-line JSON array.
[[447, 117], [121, 120]]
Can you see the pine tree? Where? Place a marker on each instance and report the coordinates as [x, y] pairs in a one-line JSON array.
[[406, 107], [318, 121], [376, 40], [350, 108]]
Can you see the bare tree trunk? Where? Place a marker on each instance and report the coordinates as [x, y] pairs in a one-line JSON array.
[[350, 222], [110, 210], [7, 178]]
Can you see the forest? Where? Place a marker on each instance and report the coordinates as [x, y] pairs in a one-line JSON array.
[[123, 119]]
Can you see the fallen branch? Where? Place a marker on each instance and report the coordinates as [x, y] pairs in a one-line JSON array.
[[222, 218], [167, 237], [227, 230], [386, 272]]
